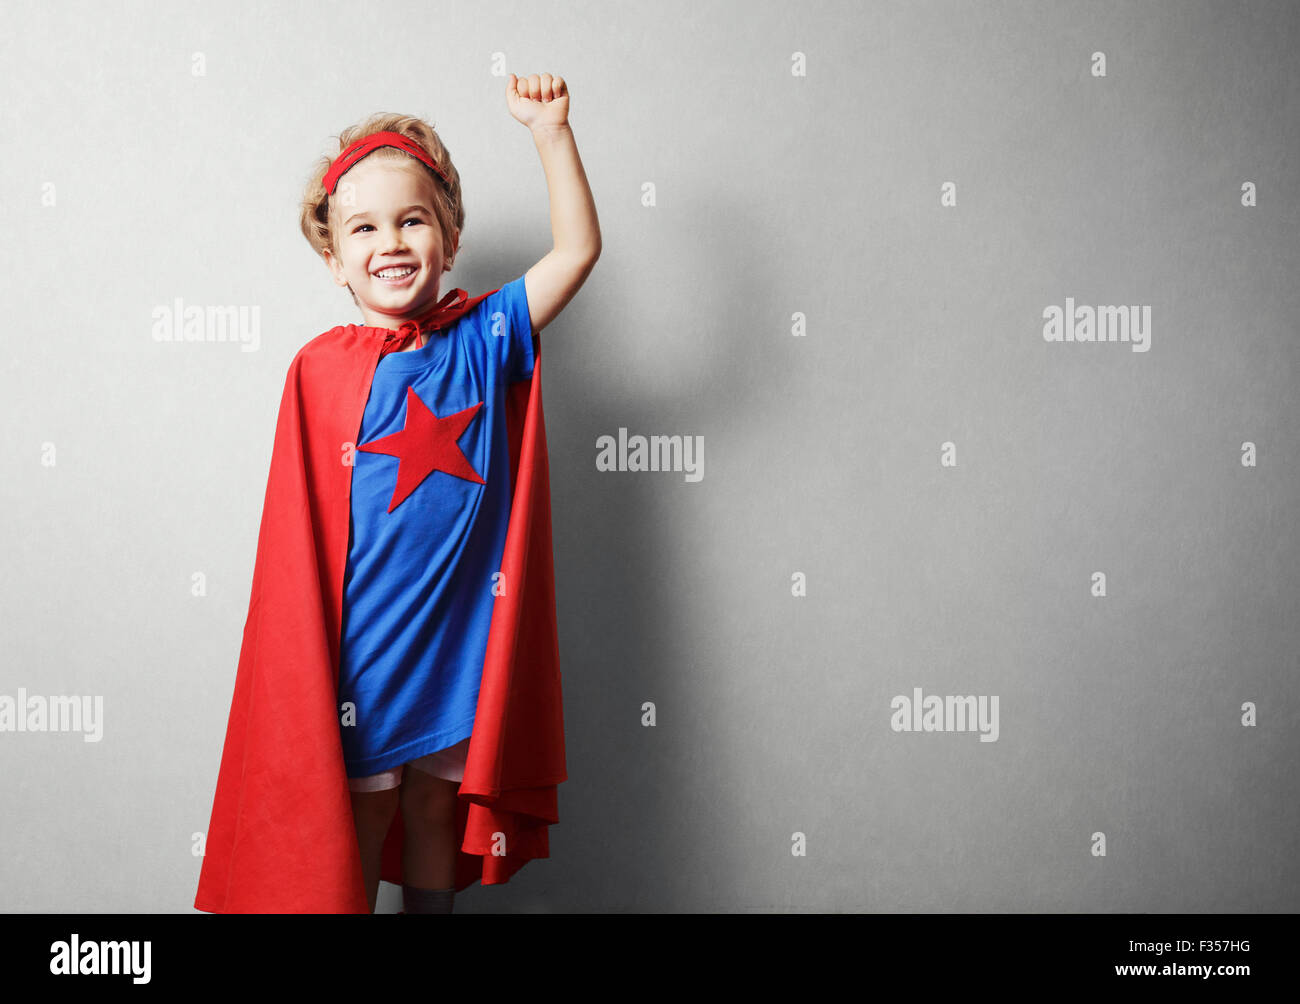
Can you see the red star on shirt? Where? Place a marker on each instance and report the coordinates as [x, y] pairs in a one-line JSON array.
[[426, 444]]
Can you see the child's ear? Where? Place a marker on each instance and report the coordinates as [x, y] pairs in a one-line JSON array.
[[336, 269]]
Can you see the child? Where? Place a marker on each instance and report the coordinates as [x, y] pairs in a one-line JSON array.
[[438, 461]]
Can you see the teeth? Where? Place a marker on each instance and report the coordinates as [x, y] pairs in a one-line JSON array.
[[395, 273]]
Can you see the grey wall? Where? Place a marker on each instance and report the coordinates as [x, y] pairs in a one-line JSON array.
[[776, 195]]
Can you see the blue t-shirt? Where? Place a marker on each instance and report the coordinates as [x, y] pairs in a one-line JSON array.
[[428, 528]]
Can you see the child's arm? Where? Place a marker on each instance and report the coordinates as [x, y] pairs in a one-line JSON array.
[[542, 104]]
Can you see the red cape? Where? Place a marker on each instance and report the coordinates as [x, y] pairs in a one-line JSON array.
[[282, 837]]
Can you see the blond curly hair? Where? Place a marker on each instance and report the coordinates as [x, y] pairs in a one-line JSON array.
[[448, 205]]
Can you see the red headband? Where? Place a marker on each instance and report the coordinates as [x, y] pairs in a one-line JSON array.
[[366, 144]]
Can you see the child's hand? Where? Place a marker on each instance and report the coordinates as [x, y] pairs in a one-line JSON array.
[[538, 101]]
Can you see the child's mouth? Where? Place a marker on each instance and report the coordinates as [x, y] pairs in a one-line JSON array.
[[397, 275]]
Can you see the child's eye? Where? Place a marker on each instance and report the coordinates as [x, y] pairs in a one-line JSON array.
[[366, 226]]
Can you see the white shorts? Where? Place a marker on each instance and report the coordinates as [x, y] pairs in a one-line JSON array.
[[448, 764]]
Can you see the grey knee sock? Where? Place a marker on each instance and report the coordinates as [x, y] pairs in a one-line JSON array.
[[417, 900]]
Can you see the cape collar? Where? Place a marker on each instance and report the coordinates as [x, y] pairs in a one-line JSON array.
[[443, 313]]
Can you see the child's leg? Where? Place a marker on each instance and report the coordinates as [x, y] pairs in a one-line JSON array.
[[372, 812], [428, 816]]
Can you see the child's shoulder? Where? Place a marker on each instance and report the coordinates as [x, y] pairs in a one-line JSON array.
[[324, 339], [340, 336], [329, 350]]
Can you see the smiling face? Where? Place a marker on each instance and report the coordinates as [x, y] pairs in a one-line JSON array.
[[387, 241]]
